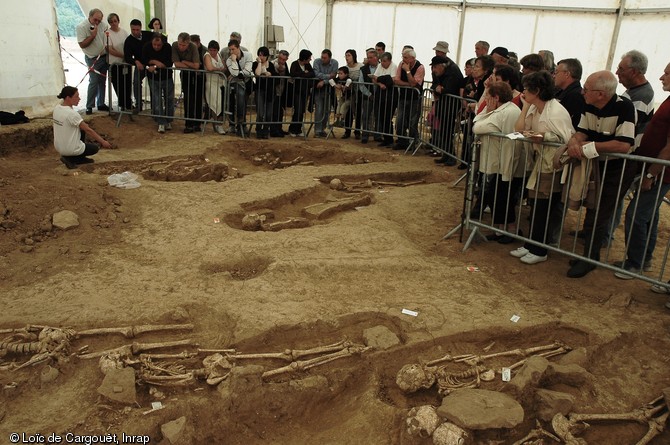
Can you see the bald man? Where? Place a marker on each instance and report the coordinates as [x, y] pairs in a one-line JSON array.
[[608, 121]]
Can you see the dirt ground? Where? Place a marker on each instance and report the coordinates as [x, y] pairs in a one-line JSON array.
[[173, 251]]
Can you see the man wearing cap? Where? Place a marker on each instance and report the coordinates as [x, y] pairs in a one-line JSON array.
[[441, 48], [500, 55], [447, 80]]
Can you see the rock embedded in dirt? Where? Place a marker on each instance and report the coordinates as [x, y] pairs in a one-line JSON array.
[[173, 431], [549, 403], [480, 409], [310, 383], [524, 382], [380, 337], [65, 219], [27, 249], [573, 375], [621, 299], [578, 356], [119, 386]]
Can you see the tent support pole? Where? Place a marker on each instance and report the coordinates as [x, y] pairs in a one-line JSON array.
[[329, 23], [615, 34], [461, 28]]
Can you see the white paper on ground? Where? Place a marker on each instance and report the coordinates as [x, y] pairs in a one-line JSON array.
[[410, 312]]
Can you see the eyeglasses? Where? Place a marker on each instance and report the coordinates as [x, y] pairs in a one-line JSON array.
[[586, 90]]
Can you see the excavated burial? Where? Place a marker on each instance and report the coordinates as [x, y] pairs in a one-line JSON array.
[[195, 168], [252, 155], [333, 194]]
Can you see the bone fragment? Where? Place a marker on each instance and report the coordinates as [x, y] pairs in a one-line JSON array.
[[136, 348], [302, 365], [133, 331]]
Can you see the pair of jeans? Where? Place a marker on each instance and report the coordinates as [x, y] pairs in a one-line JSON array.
[[407, 121], [193, 85], [121, 81], [615, 180], [239, 93], [96, 80], [137, 87], [263, 112], [322, 104], [642, 223], [162, 99], [542, 223]]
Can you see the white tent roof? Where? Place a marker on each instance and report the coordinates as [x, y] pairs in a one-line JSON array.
[[32, 74]]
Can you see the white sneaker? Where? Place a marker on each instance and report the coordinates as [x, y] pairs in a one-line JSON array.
[[161, 128], [219, 129], [531, 258], [168, 126], [660, 289], [519, 252]]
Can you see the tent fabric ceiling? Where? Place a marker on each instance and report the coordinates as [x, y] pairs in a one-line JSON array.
[[36, 75]]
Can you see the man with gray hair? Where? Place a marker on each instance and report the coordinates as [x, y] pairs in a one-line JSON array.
[[567, 76], [225, 51], [186, 57], [410, 75], [482, 48], [631, 72], [91, 36], [608, 121]]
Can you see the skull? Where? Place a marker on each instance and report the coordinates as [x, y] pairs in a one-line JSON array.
[[450, 434], [336, 184], [413, 377], [253, 221], [422, 421]]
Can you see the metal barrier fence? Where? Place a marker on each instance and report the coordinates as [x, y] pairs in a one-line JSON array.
[[376, 110], [573, 210], [199, 97]]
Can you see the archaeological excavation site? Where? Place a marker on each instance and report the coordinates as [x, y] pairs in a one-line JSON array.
[[298, 291]]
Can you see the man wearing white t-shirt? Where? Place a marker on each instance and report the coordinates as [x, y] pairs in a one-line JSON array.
[[69, 129]]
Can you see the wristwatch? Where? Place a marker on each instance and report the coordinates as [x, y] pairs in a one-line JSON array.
[[650, 176]]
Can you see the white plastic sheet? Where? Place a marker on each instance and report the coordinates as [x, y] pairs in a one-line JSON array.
[[125, 180]]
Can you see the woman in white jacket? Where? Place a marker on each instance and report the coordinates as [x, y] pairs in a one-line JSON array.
[[500, 156], [544, 119]]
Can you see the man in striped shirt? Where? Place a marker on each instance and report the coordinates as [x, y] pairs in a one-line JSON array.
[[608, 121]]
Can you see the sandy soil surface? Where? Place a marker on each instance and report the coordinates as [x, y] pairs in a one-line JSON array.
[[173, 251]]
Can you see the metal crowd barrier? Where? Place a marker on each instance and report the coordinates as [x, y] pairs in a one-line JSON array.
[[384, 113], [199, 97], [554, 215]]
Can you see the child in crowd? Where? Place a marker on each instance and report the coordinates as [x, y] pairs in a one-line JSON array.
[[342, 85]]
